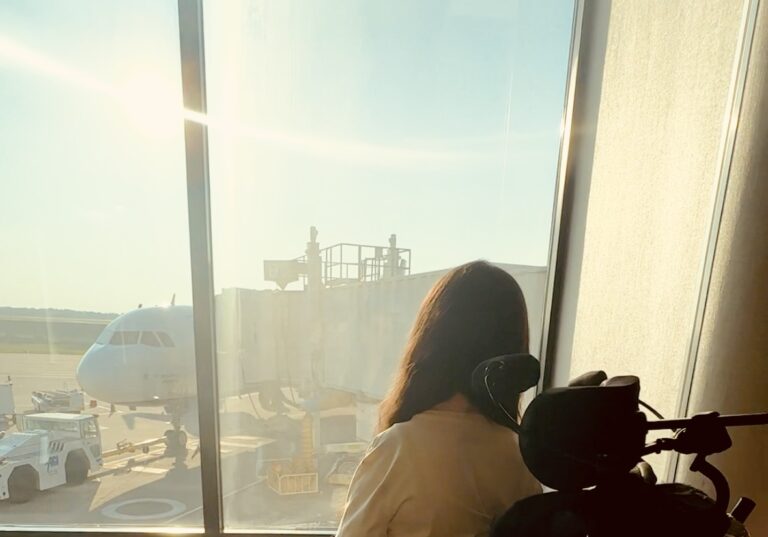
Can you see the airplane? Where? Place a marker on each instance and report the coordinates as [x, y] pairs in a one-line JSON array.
[[145, 358]]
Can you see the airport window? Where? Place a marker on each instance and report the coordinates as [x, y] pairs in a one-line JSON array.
[[357, 152], [92, 146], [149, 338]]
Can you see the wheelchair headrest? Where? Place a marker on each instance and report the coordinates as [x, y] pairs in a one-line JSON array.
[[573, 437]]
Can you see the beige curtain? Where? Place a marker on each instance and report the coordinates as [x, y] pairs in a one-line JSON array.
[[652, 95], [650, 115], [731, 372]]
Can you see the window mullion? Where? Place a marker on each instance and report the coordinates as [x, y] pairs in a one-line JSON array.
[[198, 199]]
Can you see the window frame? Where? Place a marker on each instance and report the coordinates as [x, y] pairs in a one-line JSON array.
[[198, 189]]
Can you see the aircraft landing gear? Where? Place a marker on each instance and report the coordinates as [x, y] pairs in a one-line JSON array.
[[176, 439]]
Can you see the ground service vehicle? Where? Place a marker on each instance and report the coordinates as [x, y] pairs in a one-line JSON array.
[[49, 450], [7, 405], [58, 401]]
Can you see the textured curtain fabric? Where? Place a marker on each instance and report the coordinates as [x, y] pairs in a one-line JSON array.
[[652, 175], [731, 372]]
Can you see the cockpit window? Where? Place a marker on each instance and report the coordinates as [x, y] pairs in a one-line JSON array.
[[125, 337], [104, 337], [149, 338], [166, 339]]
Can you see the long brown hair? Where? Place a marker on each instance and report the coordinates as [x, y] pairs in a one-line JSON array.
[[475, 312]]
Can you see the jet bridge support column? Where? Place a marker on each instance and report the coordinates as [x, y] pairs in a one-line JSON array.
[[314, 291]]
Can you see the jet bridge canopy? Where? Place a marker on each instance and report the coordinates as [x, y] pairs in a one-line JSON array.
[[346, 337]]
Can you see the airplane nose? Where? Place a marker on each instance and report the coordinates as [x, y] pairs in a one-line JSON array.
[[98, 374], [85, 374]]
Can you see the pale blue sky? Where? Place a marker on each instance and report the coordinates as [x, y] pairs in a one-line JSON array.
[[436, 120]]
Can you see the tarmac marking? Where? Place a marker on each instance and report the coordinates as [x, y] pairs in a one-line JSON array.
[[57, 376], [227, 495], [134, 458], [241, 445], [255, 445], [246, 437], [113, 510], [149, 470]]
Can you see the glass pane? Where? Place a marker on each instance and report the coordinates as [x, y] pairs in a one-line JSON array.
[[124, 337], [94, 222], [166, 339], [358, 152], [149, 338]]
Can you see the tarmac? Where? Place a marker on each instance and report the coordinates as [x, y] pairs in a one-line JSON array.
[[158, 489]]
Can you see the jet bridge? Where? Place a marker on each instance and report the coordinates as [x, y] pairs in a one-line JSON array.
[[348, 326]]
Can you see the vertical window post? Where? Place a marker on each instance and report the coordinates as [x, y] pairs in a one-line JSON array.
[[560, 230], [198, 200]]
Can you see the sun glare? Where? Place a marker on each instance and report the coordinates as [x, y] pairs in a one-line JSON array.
[[152, 104]]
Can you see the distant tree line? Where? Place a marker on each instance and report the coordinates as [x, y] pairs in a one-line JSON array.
[[49, 331]]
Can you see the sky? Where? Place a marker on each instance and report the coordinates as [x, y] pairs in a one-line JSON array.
[[438, 121]]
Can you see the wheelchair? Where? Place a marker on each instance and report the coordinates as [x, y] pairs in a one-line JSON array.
[[587, 441]]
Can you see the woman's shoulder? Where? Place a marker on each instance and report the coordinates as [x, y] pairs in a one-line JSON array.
[[388, 452], [398, 440], [391, 438], [430, 427]]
